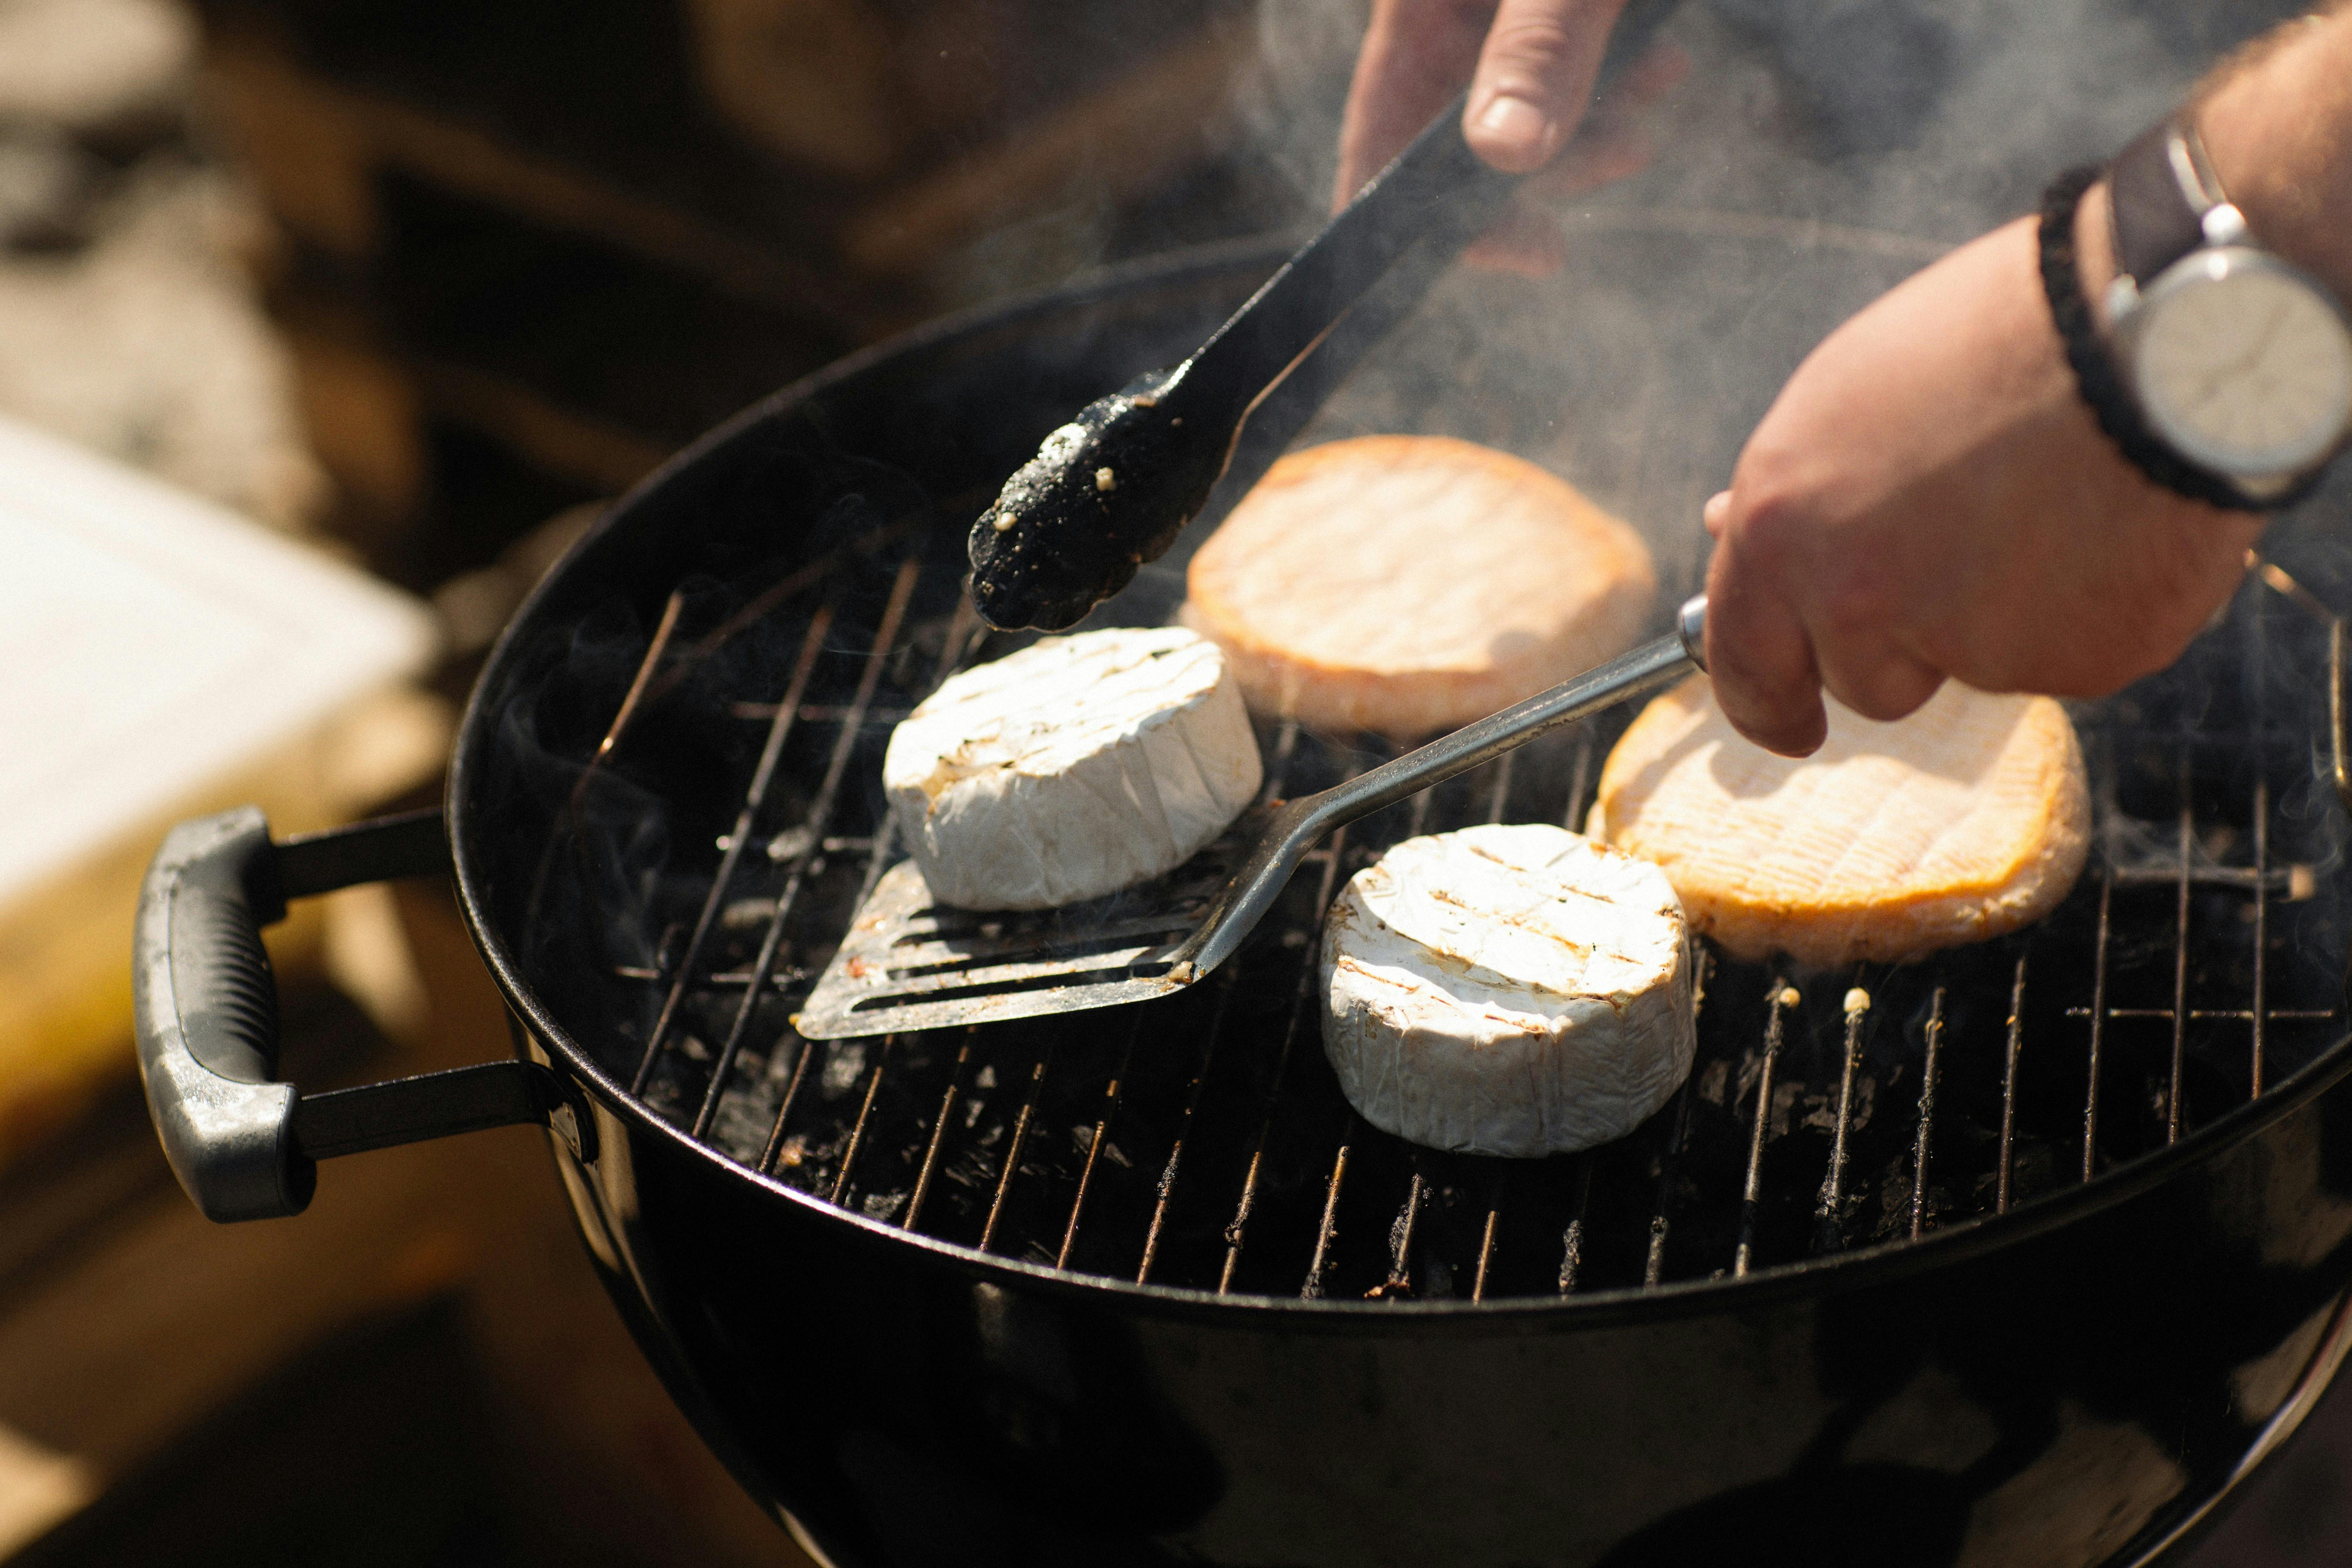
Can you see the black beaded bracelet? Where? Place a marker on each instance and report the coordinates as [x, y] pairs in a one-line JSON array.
[[2096, 377]]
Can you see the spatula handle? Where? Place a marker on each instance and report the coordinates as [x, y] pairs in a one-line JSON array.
[[1297, 826], [1644, 669]]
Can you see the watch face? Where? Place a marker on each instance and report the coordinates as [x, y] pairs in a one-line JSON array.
[[2244, 363]]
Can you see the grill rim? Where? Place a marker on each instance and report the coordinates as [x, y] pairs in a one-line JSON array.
[[1856, 1267]]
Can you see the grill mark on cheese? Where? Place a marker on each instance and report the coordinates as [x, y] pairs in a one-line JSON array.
[[1071, 768], [1449, 1025]]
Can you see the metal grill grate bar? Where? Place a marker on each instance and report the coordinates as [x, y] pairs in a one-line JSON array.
[[1094, 1146], [1487, 1236], [1669, 1162], [1313, 1289], [729, 858], [1259, 1120], [1012, 1150], [1571, 1240], [1923, 1144], [865, 1116], [1830, 1213], [1782, 998], [948, 1099], [1169, 1173], [2008, 1088], [1276, 779], [955, 647], [1326, 861], [2098, 1025], [819, 818], [804, 665], [2172, 1107], [775, 1149], [1398, 1286]]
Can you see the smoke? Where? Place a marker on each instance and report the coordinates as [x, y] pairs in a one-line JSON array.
[[1933, 119], [1817, 152]]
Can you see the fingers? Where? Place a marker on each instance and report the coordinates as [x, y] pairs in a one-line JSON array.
[[1759, 655], [1532, 53], [1608, 147], [1535, 80], [1876, 679], [1416, 56]]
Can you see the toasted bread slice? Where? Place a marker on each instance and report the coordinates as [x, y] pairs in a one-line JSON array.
[[1965, 820], [1407, 584]]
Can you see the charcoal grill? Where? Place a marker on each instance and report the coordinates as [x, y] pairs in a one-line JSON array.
[[2025, 1253]]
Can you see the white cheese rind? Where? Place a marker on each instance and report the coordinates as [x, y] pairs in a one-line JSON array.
[[1074, 768], [1515, 990]]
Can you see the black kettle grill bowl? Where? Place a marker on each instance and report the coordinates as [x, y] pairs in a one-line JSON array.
[[1794, 1349]]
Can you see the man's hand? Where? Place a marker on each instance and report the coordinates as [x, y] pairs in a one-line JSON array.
[[1928, 498], [1530, 64]]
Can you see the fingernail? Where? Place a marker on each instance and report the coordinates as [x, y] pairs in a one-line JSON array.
[[1514, 121]]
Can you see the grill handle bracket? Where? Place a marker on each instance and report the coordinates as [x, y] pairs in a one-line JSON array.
[[244, 1145]]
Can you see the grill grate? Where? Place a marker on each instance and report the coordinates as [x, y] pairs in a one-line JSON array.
[[1201, 1142]]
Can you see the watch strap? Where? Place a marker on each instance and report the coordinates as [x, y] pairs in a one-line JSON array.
[[2159, 191], [2098, 380]]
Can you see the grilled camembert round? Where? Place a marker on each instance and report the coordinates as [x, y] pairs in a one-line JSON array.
[[1406, 584], [1511, 990], [1968, 819], [1071, 769]]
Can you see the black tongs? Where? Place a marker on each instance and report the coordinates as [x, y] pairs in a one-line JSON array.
[[1114, 487]]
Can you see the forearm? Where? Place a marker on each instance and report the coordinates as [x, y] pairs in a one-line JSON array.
[[2278, 124]]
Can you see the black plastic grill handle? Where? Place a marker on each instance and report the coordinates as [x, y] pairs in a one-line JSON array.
[[244, 1145], [206, 1003]]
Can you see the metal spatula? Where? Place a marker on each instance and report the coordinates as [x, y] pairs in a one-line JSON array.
[[908, 963]]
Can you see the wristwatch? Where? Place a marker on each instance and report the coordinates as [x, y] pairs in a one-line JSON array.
[[2240, 362]]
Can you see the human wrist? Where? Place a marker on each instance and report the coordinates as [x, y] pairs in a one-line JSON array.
[[2278, 130], [2086, 337]]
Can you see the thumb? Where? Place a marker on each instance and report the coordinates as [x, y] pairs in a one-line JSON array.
[[1535, 80]]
